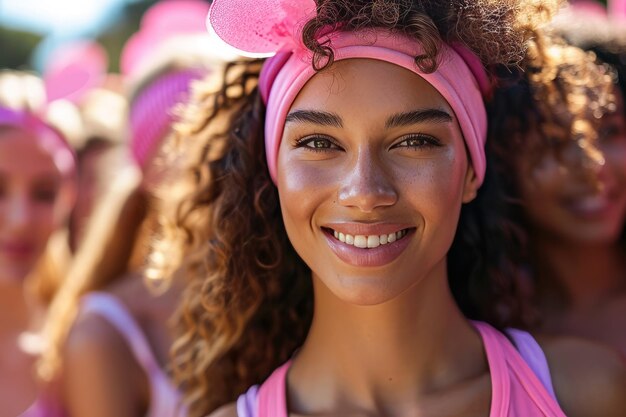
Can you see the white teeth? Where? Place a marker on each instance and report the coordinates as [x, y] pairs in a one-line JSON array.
[[371, 241], [591, 203], [360, 241]]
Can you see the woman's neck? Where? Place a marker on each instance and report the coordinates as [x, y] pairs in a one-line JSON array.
[[18, 387], [384, 357], [584, 275], [15, 315]]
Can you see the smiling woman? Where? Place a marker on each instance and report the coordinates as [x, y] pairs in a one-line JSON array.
[[28, 187], [37, 188], [568, 185], [365, 172], [329, 183]]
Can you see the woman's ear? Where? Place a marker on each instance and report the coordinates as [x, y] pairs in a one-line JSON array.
[[471, 185]]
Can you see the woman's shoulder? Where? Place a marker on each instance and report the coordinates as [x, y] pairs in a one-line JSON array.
[[92, 332], [228, 410], [133, 292], [94, 340], [98, 366], [589, 378]]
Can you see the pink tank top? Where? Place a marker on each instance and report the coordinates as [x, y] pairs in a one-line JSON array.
[[520, 380], [165, 400]]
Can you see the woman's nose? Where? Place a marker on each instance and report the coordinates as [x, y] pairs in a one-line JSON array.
[[17, 211], [366, 185], [587, 161]]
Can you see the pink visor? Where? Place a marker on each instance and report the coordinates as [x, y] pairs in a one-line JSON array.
[[273, 27]]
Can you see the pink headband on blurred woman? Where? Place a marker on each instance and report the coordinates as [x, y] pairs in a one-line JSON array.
[[273, 28], [152, 111], [50, 140]]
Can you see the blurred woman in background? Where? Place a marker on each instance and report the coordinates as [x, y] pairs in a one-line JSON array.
[[568, 188], [37, 191], [107, 329]]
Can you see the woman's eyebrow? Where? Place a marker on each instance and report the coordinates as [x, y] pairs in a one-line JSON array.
[[47, 180], [418, 116], [315, 117], [396, 120]]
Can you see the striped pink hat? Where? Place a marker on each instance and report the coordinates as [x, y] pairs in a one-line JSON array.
[[152, 111]]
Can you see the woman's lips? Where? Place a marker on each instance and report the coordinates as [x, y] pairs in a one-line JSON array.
[[591, 207], [16, 249], [368, 245]]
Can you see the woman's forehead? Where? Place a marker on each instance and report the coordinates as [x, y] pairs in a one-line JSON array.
[[21, 150], [356, 83]]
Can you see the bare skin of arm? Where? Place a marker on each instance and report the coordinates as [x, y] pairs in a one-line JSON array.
[[228, 410], [100, 375], [589, 378]]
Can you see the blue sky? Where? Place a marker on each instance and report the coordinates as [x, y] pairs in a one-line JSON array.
[[59, 18]]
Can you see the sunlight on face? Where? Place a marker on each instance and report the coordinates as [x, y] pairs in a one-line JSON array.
[[372, 172], [29, 189], [569, 197]]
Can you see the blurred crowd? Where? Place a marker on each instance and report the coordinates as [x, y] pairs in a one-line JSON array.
[[142, 268]]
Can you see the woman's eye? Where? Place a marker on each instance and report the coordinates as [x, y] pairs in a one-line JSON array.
[[418, 142], [317, 143], [44, 195]]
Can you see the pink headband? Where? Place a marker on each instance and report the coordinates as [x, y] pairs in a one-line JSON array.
[[51, 140], [272, 27], [151, 112]]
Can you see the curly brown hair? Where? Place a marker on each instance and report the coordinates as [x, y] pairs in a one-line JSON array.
[[560, 100], [562, 97], [561, 94], [603, 36], [249, 303]]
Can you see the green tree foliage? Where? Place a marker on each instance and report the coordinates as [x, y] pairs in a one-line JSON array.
[[16, 47]]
